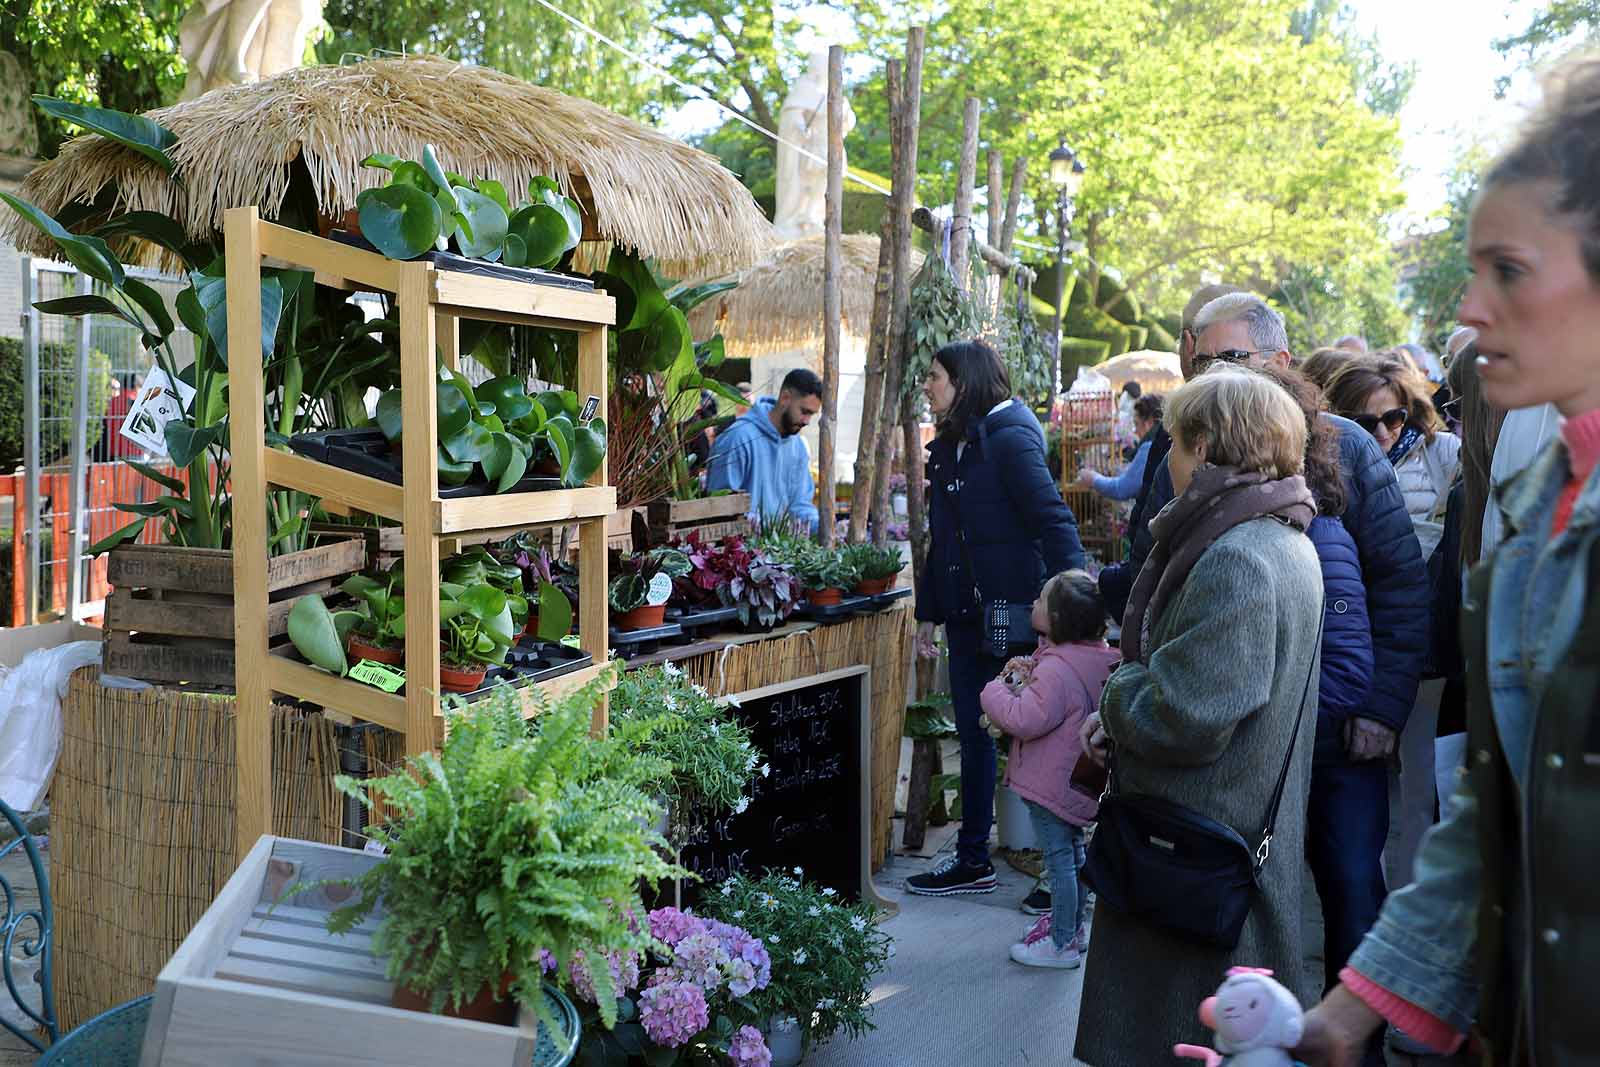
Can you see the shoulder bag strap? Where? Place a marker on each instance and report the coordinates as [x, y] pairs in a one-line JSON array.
[[1288, 759], [972, 570]]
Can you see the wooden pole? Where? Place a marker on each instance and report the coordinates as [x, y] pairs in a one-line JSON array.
[[1008, 232], [961, 235], [994, 207], [832, 235], [924, 219], [864, 501], [904, 134]]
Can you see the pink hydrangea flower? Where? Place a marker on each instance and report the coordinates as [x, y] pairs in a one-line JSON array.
[[673, 1012], [749, 1049], [672, 925]]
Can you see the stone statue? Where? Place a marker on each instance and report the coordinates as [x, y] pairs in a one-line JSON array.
[[18, 135], [229, 42], [802, 180]]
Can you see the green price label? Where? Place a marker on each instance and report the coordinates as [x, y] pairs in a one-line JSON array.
[[571, 640], [387, 678]]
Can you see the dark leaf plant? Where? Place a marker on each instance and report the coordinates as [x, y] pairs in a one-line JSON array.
[[509, 844]]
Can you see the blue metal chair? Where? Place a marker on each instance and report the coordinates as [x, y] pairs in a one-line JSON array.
[[113, 1038], [35, 947]]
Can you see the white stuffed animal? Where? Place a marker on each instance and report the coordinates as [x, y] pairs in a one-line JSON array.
[[1256, 1019]]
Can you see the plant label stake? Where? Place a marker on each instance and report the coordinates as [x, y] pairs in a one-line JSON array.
[[660, 590], [590, 407], [160, 401], [385, 677]]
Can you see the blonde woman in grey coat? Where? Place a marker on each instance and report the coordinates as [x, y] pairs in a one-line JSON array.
[[1218, 641]]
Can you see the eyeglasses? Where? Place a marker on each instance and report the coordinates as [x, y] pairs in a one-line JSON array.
[[1202, 360], [1394, 418]]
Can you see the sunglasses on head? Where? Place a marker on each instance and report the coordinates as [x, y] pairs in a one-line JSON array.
[[1394, 418]]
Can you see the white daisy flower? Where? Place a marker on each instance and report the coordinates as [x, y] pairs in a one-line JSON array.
[[701, 690], [857, 923], [727, 889], [798, 870], [670, 671], [813, 911], [825, 1004], [799, 955], [829, 892], [743, 803], [766, 769], [774, 939], [739, 914], [734, 701]]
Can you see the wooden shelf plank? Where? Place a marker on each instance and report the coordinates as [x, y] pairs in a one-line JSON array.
[[324, 480], [513, 511], [333, 259], [471, 296], [341, 694], [559, 686]]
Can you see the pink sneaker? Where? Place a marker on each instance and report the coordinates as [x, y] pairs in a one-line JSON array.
[[1039, 929]]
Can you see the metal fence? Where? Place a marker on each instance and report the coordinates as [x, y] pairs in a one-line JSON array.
[[80, 375]]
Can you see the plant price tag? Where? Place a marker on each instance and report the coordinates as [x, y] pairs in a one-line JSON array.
[[660, 590], [385, 677], [160, 401], [590, 407]]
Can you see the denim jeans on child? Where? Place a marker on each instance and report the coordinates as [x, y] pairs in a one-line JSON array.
[[1063, 848]]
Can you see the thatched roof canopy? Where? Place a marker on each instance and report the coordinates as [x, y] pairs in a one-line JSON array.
[[778, 304], [1156, 372], [236, 146]]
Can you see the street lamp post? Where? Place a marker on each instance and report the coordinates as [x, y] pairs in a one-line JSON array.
[[1066, 174]]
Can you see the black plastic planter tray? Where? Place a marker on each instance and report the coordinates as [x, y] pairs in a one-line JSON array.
[[530, 662], [847, 607], [882, 601], [703, 620], [630, 643], [462, 265], [367, 452]]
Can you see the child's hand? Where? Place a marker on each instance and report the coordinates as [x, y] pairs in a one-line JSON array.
[[990, 728]]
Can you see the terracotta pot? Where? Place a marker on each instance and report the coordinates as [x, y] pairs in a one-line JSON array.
[[873, 586], [823, 598], [358, 648], [459, 680], [640, 618], [489, 1006]]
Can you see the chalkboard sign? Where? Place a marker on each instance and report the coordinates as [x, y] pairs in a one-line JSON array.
[[811, 810]]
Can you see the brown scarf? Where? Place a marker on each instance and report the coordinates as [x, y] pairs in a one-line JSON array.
[[1217, 500]]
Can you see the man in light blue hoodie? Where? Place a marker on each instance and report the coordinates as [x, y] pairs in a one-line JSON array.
[[763, 454]]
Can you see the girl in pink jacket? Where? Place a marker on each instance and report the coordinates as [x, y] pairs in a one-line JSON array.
[[1041, 700]]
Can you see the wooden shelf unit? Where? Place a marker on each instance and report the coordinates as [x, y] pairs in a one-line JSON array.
[[429, 304]]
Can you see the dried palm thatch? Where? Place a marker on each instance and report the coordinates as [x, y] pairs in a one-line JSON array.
[[1156, 372], [778, 304], [237, 146]]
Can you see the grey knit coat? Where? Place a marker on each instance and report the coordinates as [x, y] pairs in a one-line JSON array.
[[1207, 723]]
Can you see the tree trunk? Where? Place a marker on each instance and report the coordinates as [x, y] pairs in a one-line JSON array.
[[966, 177], [1008, 233], [919, 793], [827, 427], [865, 494], [993, 206]]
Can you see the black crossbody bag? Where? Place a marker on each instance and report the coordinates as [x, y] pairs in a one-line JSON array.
[[1178, 870], [1005, 628]]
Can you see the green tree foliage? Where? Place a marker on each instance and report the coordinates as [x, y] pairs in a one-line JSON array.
[[1437, 260], [1320, 304], [114, 53], [732, 49], [517, 37], [1217, 138], [1559, 23]]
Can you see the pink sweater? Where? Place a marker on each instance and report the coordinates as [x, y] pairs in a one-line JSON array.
[[1043, 718]]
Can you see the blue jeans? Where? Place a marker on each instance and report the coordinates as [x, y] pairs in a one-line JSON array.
[[1347, 824], [970, 671], [1063, 847]]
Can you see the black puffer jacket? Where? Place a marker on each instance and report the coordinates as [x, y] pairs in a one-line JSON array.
[[1398, 594], [1001, 496]]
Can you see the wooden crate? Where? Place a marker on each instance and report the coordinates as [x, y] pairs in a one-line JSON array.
[[169, 616], [260, 980], [385, 544], [714, 517]]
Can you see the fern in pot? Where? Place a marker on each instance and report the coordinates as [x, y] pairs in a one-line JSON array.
[[514, 845]]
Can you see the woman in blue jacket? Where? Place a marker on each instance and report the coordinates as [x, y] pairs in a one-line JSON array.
[[998, 528], [1128, 484]]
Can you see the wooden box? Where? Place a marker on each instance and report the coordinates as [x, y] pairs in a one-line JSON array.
[[169, 617], [258, 983], [714, 517]]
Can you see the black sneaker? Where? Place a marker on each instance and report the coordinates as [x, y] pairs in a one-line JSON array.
[[1037, 902], [953, 876]]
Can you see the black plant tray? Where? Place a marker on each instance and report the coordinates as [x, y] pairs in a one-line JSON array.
[[630, 643], [367, 452], [699, 621], [463, 265], [530, 662], [882, 601], [847, 607]]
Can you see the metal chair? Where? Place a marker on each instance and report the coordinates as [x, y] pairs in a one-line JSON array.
[[35, 947], [113, 1038]]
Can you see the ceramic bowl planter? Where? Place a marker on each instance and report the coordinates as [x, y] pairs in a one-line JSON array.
[[640, 618]]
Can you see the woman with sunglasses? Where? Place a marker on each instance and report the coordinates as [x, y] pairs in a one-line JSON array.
[[1389, 398], [1497, 934]]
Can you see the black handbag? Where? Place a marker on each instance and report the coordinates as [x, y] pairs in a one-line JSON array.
[[1167, 865], [1005, 628]]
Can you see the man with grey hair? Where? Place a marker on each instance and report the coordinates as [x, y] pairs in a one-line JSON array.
[[1239, 328]]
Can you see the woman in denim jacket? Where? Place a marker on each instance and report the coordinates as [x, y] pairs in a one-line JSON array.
[[1499, 933]]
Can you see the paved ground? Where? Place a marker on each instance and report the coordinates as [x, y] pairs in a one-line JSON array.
[[15, 870]]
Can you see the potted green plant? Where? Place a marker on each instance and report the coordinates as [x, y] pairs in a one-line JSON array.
[[475, 631], [825, 573], [877, 564], [380, 630], [514, 846], [824, 956], [551, 585], [708, 757], [639, 593]]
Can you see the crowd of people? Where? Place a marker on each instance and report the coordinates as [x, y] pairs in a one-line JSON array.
[[1333, 561]]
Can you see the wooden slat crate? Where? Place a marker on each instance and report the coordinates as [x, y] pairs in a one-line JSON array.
[[385, 544], [260, 980], [714, 517], [169, 617]]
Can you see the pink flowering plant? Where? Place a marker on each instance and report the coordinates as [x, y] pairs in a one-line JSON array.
[[824, 952], [686, 1001]]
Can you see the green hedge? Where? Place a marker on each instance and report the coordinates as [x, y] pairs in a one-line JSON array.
[[1081, 352], [1116, 301], [55, 410], [1159, 339]]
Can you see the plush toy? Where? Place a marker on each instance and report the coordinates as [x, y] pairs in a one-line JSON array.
[[1257, 1022]]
